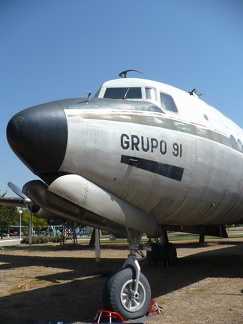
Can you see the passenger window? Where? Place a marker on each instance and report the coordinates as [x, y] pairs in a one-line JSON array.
[[123, 93], [167, 102], [233, 142], [240, 146]]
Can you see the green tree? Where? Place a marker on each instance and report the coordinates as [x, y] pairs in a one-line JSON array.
[[37, 223], [8, 216]]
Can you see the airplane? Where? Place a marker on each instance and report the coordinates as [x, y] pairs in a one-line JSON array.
[[139, 157]]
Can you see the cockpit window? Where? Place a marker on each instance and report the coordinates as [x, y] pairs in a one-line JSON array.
[[150, 93], [123, 93], [167, 102]]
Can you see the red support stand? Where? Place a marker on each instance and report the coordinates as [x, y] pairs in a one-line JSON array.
[[104, 316], [154, 309]]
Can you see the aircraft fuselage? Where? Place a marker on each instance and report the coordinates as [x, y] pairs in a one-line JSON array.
[[163, 151]]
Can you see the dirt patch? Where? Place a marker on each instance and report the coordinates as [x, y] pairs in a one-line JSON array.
[[50, 283]]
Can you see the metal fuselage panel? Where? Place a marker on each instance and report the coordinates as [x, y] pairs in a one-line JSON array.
[[177, 177]]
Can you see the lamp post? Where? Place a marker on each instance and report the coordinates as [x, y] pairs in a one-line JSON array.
[[30, 230], [20, 213]]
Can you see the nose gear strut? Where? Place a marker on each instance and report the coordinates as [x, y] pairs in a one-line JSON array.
[[127, 291]]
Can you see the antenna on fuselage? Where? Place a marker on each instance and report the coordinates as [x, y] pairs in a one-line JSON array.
[[123, 74], [194, 93], [89, 94]]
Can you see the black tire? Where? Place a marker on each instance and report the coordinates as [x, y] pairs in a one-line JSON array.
[[106, 298], [118, 294]]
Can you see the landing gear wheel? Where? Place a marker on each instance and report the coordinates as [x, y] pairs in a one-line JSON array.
[[119, 295]]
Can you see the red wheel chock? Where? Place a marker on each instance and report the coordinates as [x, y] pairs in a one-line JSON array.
[[105, 316], [154, 309]]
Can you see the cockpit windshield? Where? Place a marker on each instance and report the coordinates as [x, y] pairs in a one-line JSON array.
[[123, 93]]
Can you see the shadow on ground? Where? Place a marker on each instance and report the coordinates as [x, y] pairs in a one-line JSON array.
[[73, 293]]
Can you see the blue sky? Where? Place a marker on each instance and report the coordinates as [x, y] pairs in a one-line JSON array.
[[54, 49]]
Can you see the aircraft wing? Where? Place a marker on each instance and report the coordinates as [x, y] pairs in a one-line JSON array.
[[13, 201]]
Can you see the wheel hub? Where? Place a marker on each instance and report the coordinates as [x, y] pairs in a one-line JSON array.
[[132, 301], [133, 295]]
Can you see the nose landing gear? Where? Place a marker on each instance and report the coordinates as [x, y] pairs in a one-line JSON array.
[[127, 291]]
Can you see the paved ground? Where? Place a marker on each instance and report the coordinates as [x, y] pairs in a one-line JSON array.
[[9, 242], [50, 283]]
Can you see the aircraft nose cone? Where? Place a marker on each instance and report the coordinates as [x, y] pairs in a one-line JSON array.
[[38, 136]]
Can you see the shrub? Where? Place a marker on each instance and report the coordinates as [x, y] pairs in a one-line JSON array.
[[41, 239], [55, 239]]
